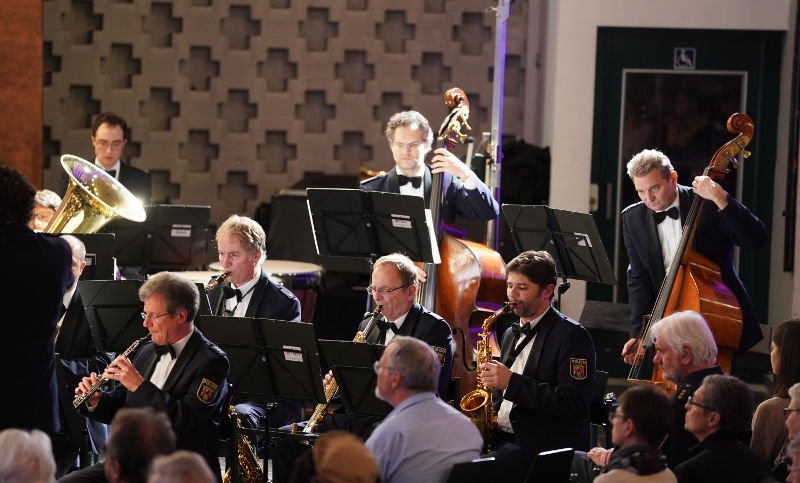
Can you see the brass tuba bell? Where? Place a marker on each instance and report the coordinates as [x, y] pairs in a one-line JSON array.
[[93, 198]]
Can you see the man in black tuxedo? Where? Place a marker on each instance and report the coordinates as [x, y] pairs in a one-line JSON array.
[[651, 230], [543, 384], [410, 139], [30, 300], [181, 373], [109, 137], [248, 292], [78, 356]]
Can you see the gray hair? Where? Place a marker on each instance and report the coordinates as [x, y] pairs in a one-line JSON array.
[[731, 398], [687, 329], [649, 159], [416, 363], [411, 120], [403, 264], [48, 199], [180, 467], [178, 292], [76, 245], [26, 456], [248, 231]]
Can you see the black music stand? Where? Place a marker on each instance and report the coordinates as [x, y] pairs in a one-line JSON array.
[[273, 359], [369, 224], [352, 366], [99, 255], [570, 237], [113, 310]]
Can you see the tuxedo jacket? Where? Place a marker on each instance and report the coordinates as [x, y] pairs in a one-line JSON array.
[[268, 301], [134, 179], [552, 396], [192, 396], [79, 357], [477, 204], [717, 233], [31, 297], [427, 326]]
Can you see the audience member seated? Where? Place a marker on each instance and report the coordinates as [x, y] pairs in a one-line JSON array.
[[769, 425], [686, 352], [337, 457], [794, 455], [45, 205], [137, 436], [423, 437], [718, 411], [26, 457], [180, 467], [640, 424], [780, 467]]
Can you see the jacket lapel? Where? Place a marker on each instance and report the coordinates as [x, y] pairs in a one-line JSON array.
[[255, 298], [66, 335], [390, 183], [409, 326], [545, 325], [183, 360]]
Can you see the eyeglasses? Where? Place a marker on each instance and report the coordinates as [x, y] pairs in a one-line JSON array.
[[150, 316], [384, 291], [690, 401], [787, 412], [103, 144], [411, 146], [615, 415], [377, 365]]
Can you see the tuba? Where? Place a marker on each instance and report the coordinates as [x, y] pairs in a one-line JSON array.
[[477, 404], [93, 198]]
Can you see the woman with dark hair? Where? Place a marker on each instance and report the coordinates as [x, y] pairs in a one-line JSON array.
[[769, 428]]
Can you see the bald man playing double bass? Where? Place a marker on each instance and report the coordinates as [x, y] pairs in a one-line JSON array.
[[651, 230]]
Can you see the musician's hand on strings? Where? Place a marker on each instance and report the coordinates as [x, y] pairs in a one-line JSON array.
[[444, 161], [122, 370], [600, 456], [421, 275], [709, 189], [84, 386], [629, 352], [495, 375]]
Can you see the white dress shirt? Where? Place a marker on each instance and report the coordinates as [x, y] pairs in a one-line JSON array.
[[669, 234], [166, 363], [240, 308]]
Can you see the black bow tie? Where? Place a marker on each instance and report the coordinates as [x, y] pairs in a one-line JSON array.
[[112, 172], [521, 329], [660, 216], [164, 349], [416, 181], [384, 326], [228, 292]]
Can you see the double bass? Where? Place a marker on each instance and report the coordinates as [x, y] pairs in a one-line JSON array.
[[694, 282], [469, 285]]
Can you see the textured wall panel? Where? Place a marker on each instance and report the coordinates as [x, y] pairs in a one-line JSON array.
[[230, 101]]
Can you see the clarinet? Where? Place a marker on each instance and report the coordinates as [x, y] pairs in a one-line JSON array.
[[83, 397]]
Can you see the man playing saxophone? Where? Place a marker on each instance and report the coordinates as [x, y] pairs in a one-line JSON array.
[[545, 377], [181, 373]]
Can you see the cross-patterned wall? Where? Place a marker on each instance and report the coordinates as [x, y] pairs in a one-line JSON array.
[[230, 101]]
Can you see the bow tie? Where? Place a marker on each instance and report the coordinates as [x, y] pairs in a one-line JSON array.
[[416, 181], [521, 329], [385, 325], [112, 172], [660, 216], [228, 292], [164, 349]]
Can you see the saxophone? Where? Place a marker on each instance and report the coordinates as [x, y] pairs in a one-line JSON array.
[[216, 280], [332, 388], [249, 470], [477, 404]]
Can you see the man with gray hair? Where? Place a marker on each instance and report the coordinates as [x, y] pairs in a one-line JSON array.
[[181, 373], [716, 414], [422, 438], [410, 139], [137, 437], [652, 229], [25, 456]]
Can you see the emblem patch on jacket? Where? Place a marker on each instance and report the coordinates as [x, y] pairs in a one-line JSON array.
[[206, 391], [441, 352], [578, 368]]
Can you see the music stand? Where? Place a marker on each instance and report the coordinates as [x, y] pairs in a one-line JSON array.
[[178, 237], [352, 366], [551, 466], [369, 224], [113, 310], [570, 237], [99, 255], [130, 240]]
